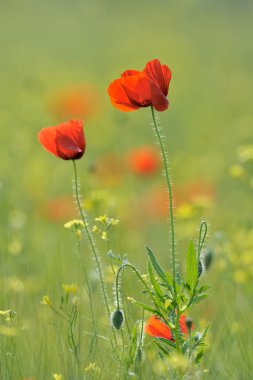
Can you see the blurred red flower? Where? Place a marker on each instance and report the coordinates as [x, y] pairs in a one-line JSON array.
[[143, 161], [75, 102], [156, 328], [58, 209], [136, 89], [65, 141]]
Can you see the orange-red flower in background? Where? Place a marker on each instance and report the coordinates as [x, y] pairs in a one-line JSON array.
[[158, 329], [143, 161], [58, 210], [75, 102], [65, 141], [136, 89]]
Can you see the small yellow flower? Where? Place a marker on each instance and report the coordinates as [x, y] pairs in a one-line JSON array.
[[56, 376], [93, 368], [104, 235], [185, 211], [75, 225], [167, 303], [8, 314], [130, 299], [70, 288], [46, 301], [102, 219], [236, 171], [240, 276]]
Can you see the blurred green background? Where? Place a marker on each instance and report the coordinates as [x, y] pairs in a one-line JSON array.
[[52, 49]]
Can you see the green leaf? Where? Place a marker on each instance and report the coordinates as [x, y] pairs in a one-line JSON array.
[[146, 307], [165, 350], [191, 266], [167, 342], [199, 356], [204, 288], [200, 298], [155, 284], [156, 265], [169, 279]]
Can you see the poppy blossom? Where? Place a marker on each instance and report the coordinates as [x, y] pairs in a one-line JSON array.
[[156, 328], [65, 140], [75, 102], [136, 89], [143, 161]]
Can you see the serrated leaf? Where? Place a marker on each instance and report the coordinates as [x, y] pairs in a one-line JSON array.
[[156, 265], [155, 284], [191, 266]]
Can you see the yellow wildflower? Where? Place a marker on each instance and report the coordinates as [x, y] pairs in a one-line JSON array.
[[75, 225], [46, 301], [93, 368], [8, 314], [70, 288], [56, 376], [236, 171], [167, 303]]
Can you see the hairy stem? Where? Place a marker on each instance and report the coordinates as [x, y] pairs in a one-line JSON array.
[[168, 181], [93, 248]]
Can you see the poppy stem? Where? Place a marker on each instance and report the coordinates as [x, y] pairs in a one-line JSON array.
[[167, 176], [92, 245]]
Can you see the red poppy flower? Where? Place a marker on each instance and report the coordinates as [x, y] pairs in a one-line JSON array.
[[65, 141], [136, 89], [156, 328], [75, 102], [143, 161]]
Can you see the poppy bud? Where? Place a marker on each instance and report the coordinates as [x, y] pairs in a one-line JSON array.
[[117, 319], [189, 324], [208, 259], [197, 336], [200, 268]]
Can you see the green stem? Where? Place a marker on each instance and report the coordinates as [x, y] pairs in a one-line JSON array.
[[176, 331], [89, 295], [93, 248], [143, 283], [167, 176]]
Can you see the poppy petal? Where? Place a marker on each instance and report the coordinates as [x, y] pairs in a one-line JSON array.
[[65, 141], [156, 328], [159, 74], [130, 73], [47, 138], [119, 98]]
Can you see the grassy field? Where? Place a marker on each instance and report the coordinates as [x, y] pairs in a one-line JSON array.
[[52, 55]]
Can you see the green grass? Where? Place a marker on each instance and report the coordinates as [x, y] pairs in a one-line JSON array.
[[46, 47]]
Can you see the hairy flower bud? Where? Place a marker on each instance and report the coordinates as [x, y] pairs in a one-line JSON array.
[[189, 323], [117, 319], [208, 259], [200, 268]]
